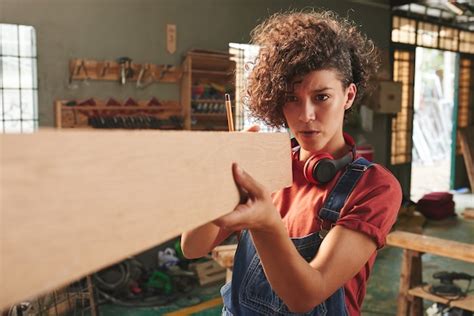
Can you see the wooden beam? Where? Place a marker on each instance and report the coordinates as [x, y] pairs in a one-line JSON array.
[[410, 275], [466, 138], [433, 245], [468, 213], [74, 202], [224, 255]]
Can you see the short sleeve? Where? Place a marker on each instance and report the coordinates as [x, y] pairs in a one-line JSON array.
[[373, 205]]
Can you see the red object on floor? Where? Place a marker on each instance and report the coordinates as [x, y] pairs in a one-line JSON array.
[[436, 205]]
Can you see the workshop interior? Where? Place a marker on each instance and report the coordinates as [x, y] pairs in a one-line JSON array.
[[123, 67]]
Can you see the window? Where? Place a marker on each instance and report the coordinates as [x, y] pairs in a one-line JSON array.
[[244, 57], [410, 31], [465, 93], [403, 30], [466, 42], [403, 71], [427, 34], [448, 38], [407, 34], [18, 79]]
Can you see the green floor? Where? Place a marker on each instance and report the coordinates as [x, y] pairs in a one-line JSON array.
[[383, 285]]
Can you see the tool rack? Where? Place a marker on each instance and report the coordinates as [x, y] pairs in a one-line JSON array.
[[109, 70]]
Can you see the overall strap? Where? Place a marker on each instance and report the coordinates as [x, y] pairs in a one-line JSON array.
[[329, 213]]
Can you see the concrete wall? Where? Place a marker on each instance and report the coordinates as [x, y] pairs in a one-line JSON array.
[[108, 29]]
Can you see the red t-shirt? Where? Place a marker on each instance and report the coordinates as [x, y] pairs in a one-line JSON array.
[[371, 208]]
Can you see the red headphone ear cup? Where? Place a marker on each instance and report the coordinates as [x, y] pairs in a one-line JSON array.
[[310, 165]]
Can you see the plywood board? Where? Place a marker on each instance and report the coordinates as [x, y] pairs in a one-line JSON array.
[[73, 202]]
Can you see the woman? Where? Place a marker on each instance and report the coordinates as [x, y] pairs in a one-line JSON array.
[[308, 248]]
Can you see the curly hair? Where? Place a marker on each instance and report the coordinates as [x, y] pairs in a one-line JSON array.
[[295, 43]]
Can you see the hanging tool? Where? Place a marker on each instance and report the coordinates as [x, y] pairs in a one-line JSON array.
[[142, 71], [104, 69], [126, 70], [146, 76], [78, 65], [164, 71]]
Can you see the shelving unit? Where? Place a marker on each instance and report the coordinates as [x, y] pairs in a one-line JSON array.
[[77, 114], [129, 114], [207, 76]]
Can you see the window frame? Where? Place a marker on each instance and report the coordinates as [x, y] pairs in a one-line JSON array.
[[23, 116], [396, 135]]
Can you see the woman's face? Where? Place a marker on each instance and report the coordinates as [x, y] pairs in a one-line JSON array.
[[314, 110]]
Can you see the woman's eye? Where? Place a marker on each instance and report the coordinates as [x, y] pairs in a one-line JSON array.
[[322, 97]]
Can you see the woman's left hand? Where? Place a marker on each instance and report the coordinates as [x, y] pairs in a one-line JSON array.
[[256, 210]]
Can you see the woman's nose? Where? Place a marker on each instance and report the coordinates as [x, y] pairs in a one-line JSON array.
[[308, 112]]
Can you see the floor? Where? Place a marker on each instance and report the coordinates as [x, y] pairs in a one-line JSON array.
[[438, 175], [383, 285]]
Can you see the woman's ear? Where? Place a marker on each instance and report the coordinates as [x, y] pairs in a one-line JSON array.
[[351, 93]]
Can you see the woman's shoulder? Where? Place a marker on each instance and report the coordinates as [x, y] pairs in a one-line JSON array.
[[378, 176]]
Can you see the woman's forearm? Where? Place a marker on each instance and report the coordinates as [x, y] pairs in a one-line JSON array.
[[199, 242]]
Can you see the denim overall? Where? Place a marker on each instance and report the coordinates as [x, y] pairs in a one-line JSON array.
[[250, 293]]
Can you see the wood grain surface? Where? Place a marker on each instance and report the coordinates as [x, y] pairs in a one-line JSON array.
[[437, 246], [74, 202]]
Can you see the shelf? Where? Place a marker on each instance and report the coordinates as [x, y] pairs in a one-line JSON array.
[[220, 116], [212, 72], [79, 116], [118, 108], [466, 303], [209, 128], [208, 101]]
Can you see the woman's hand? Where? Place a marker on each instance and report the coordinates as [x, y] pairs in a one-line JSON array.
[[253, 128], [255, 211]]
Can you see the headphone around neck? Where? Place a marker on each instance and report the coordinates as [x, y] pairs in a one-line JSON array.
[[321, 168]]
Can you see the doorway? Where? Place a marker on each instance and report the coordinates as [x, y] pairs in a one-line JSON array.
[[435, 78]]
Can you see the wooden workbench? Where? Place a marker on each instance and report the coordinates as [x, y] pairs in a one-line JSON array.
[[411, 291]]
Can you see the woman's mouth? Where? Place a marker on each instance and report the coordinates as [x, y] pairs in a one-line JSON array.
[[309, 133]]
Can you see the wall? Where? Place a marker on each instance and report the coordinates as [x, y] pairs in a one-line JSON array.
[[108, 29]]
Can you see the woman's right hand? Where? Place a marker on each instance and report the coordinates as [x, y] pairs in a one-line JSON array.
[[200, 240]]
